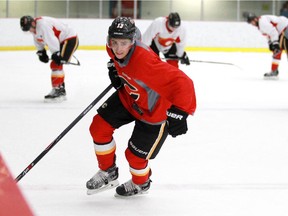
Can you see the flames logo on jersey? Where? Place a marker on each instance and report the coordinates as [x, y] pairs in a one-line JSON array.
[[131, 89], [165, 42]]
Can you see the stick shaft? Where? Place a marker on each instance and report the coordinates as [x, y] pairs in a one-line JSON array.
[[67, 129], [212, 62], [199, 61]]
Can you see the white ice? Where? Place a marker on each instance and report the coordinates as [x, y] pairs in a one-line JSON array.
[[232, 162]]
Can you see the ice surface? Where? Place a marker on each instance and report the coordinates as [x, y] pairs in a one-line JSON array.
[[232, 162]]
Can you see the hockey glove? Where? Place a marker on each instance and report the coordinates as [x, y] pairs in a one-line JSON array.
[[43, 57], [177, 123], [56, 57], [185, 59], [274, 46], [113, 75], [270, 45]]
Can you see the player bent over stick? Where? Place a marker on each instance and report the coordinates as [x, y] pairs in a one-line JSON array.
[[276, 31], [61, 40], [156, 96]]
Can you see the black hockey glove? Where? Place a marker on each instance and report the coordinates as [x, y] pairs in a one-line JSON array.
[[185, 59], [270, 45], [43, 57], [113, 75], [56, 57], [274, 46], [177, 123]]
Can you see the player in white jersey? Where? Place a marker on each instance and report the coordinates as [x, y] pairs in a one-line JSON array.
[[168, 36], [275, 29], [61, 40]]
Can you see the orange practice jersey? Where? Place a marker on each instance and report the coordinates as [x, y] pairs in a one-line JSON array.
[[153, 85]]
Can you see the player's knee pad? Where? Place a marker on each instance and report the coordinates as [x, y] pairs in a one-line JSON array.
[[100, 130], [55, 67], [135, 161]]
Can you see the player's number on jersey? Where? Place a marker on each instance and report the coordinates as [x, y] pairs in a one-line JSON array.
[[120, 25]]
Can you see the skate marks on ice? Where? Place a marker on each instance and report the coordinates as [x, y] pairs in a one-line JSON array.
[[163, 199], [235, 150]]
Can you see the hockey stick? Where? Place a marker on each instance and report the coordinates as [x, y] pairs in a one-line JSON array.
[[199, 61], [225, 63], [48, 148], [70, 63]]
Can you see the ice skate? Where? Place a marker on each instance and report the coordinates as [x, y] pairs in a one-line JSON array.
[[129, 189], [271, 75], [103, 180], [57, 94]]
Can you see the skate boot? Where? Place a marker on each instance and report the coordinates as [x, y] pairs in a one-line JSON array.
[[271, 75], [103, 180], [130, 189], [57, 94]]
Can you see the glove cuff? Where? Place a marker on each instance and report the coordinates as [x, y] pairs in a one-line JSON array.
[[110, 64], [175, 113]]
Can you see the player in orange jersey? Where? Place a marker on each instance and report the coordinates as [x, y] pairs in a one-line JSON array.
[[156, 96]]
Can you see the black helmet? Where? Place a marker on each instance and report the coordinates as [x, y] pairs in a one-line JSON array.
[[249, 16], [26, 22], [174, 20], [122, 27]]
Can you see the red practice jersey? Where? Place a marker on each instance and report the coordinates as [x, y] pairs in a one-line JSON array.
[[153, 85]]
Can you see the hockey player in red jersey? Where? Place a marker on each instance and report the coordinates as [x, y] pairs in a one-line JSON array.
[[156, 96], [168, 36], [275, 29], [62, 42]]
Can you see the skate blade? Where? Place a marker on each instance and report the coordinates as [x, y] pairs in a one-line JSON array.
[[134, 195], [55, 100], [271, 78], [109, 186]]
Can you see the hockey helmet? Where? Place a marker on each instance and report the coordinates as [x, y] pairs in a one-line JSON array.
[[249, 16], [174, 20], [122, 27], [26, 22]]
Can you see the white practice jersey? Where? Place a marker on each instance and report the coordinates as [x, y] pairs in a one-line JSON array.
[[272, 26], [51, 32], [163, 38]]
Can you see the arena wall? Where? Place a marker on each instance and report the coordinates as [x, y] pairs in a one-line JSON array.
[[201, 36]]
